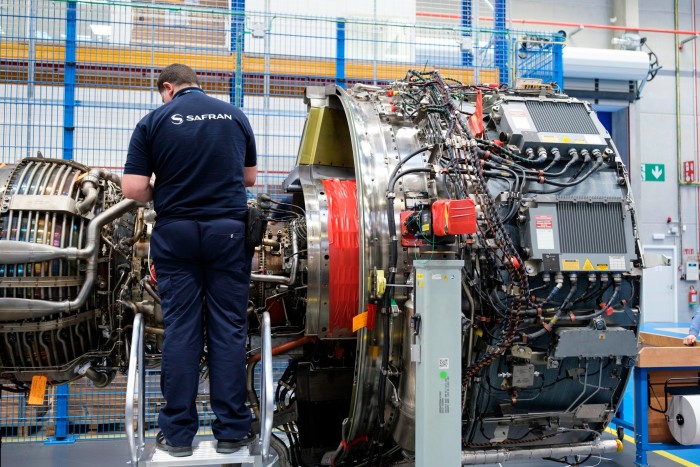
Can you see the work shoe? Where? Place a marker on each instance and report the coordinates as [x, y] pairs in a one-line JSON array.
[[175, 451], [224, 446]]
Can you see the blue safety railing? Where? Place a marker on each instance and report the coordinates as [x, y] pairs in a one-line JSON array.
[[76, 76], [80, 410]]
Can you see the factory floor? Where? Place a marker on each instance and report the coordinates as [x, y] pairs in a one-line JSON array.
[[115, 453]]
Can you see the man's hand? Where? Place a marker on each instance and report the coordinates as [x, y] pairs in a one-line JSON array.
[[689, 339]]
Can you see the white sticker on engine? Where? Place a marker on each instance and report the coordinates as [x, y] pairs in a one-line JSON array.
[[594, 139], [443, 363], [617, 263], [545, 239], [521, 123]]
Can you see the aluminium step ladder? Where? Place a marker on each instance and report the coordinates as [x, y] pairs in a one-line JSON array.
[[257, 453]]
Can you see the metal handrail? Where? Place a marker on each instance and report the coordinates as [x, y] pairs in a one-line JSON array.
[[266, 388], [132, 392]]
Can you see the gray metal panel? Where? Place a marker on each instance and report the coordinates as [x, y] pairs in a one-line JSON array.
[[439, 371], [586, 342], [43, 203]]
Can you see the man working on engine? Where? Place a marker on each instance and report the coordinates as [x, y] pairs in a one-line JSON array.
[[202, 153], [692, 336]]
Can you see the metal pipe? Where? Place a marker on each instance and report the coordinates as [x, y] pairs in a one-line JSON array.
[[89, 186], [283, 348], [98, 378], [426, 14], [13, 251], [266, 388], [503, 455], [132, 391]]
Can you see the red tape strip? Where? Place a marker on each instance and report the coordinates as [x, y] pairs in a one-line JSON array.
[[343, 252]]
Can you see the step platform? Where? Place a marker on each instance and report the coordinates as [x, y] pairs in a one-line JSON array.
[[203, 453]]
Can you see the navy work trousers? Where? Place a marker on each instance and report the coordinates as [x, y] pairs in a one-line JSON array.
[[203, 273]]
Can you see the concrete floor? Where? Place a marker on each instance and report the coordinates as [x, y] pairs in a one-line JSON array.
[[115, 453]]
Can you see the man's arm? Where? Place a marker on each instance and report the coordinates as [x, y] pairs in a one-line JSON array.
[[694, 330], [137, 187], [249, 175]]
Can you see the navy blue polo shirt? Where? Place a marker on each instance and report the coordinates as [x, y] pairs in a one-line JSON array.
[[196, 146]]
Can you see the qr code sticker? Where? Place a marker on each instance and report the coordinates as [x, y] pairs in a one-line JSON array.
[[443, 363]]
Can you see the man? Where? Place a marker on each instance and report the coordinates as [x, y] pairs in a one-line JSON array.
[[202, 153], [692, 336]]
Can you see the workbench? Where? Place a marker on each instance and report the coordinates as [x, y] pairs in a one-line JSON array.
[[660, 357]]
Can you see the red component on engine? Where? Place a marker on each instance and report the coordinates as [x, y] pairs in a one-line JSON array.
[[476, 121], [408, 238], [344, 254], [454, 217]]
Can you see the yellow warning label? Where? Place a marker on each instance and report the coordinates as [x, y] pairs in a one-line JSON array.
[[602, 267], [419, 276], [570, 265], [425, 227], [36, 395], [565, 139], [587, 265], [359, 321]]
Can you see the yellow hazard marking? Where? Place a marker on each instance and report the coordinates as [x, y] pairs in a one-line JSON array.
[[587, 265], [602, 267], [419, 276], [425, 227], [38, 391], [359, 321], [565, 139], [570, 265]]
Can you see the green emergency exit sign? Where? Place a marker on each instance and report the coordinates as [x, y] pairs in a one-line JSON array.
[[653, 172]]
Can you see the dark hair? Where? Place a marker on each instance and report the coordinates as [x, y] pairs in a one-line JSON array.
[[177, 74]]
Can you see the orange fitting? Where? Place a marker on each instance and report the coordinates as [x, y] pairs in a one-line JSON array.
[[572, 316], [514, 261], [540, 180], [547, 327], [609, 311], [603, 305]]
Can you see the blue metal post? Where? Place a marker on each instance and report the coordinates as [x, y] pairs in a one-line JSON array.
[[61, 435], [69, 81], [238, 46], [501, 41], [467, 55], [340, 53], [558, 60], [641, 417]]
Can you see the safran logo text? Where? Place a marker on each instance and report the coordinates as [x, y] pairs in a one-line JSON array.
[[177, 119]]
